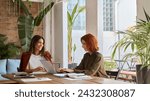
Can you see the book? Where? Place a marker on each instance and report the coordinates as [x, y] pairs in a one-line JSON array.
[[68, 74]]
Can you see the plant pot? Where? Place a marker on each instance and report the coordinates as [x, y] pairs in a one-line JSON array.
[[143, 74], [72, 65]]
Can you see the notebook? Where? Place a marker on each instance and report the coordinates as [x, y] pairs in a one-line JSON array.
[[50, 68]]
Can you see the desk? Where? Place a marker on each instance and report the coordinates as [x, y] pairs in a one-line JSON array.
[[129, 75], [8, 82], [57, 80]]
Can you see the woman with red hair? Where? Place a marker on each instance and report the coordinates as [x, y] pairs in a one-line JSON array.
[[92, 62]]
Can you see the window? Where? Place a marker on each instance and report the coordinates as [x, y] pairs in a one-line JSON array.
[[78, 30], [81, 19], [108, 12]]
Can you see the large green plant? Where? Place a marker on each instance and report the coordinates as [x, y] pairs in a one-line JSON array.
[[8, 50], [137, 39], [27, 23], [71, 16]]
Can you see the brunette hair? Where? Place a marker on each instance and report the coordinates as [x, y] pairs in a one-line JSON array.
[[34, 41], [91, 42]]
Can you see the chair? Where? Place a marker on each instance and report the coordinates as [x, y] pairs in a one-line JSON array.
[[131, 64], [130, 73], [115, 72], [18, 69]]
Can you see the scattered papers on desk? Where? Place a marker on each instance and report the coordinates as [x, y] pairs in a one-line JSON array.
[[36, 79]]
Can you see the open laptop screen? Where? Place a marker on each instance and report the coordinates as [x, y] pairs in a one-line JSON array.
[[50, 68]]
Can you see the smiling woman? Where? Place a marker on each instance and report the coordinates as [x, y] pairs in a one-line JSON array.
[[30, 61]]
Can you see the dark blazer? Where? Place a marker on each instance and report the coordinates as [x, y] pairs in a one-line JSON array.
[[26, 57]]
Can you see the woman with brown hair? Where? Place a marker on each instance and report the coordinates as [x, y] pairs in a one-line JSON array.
[[92, 62], [31, 60]]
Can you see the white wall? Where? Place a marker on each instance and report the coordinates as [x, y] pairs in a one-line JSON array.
[[109, 39], [140, 5], [126, 14]]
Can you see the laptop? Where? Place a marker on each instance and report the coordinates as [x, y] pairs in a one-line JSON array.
[[50, 68]]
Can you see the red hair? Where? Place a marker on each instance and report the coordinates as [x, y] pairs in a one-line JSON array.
[[91, 42]]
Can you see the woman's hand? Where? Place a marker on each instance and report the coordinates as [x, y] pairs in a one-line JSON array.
[[66, 70], [39, 69], [35, 70]]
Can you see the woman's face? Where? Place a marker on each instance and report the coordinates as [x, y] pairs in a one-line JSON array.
[[84, 45], [39, 45]]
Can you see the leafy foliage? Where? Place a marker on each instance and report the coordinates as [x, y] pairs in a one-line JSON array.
[[27, 23], [138, 39], [8, 50], [109, 65]]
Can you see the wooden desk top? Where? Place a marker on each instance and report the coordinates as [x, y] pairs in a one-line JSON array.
[[57, 80], [8, 82]]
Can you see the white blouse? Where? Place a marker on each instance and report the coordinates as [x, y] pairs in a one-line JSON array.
[[35, 62]]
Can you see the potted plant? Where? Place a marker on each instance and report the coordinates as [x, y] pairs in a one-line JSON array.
[[27, 23], [8, 50], [71, 16], [138, 39]]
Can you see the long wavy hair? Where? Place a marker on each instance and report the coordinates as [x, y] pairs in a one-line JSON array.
[[91, 42], [34, 41]]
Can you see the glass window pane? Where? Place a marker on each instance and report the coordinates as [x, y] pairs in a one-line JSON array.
[[108, 10]]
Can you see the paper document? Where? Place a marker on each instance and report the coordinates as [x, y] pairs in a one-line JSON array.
[[68, 74], [39, 73], [85, 77], [36, 79], [75, 74], [61, 74]]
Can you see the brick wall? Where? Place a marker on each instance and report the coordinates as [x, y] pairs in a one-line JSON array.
[[8, 19]]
